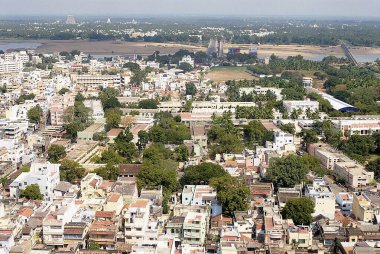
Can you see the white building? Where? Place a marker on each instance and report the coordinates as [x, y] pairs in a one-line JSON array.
[[96, 107], [262, 91], [358, 125], [198, 194], [10, 66], [344, 200], [45, 175], [282, 139], [303, 106], [187, 59], [323, 197]]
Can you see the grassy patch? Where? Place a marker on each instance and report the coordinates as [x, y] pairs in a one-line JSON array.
[[221, 74]]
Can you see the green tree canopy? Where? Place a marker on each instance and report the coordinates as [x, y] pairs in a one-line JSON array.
[[63, 91], [186, 67], [287, 171], [256, 134], [159, 172], [110, 156], [34, 114], [31, 192], [157, 152], [71, 171], [148, 104], [201, 174], [108, 172], [374, 166], [113, 118], [299, 210], [124, 146], [232, 193], [55, 153], [182, 153], [191, 89]]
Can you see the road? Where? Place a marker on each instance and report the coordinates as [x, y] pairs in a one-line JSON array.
[[334, 187]]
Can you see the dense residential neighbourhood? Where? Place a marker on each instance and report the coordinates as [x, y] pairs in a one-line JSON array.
[[153, 154]]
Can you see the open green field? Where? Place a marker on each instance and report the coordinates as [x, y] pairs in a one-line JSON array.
[[221, 74]]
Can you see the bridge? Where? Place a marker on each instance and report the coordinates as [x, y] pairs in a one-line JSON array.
[[348, 53]]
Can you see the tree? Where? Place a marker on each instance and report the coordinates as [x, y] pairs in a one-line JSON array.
[[93, 246], [191, 89], [182, 153], [359, 145], [287, 171], [34, 114], [124, 146], [157, 152], [312, 164], [25, 168], [101, 137], [143, 138], [232, 193], [288, 127], [256, 134], [133, 67], [108, 172], [63, 91], [201, 174], [299, 210], [113, 118], [159, 172], [309, 136], [112, 102], [186, 67], [148, 104], [55, 153], [31, 192], [71, 171], [374, 166], [109, 156]]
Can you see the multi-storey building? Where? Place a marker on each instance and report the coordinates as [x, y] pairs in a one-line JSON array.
[[45, 175], [301, 106], [136, 220], [58, 106], [323, 197], [358, 125], [194, 228], [362, 208]]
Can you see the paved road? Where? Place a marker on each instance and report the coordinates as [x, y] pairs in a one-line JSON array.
[[334, 187]]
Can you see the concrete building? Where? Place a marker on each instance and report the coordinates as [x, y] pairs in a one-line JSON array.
[[94, 81], [302, 106], [345, 200], [96, 107], [354, 174], [58, 106], [88, 133], [262, 91], [301, 235], [45, 175], [358, 125], [323, 197], [282, 139], [362, 208], [194, 228], [188, 60], [136, 221], [198, 194], [10, 66]]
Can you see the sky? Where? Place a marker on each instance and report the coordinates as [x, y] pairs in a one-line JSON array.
[[313, 8]]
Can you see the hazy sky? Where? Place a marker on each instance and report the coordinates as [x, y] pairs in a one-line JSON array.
[[339, 8]]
